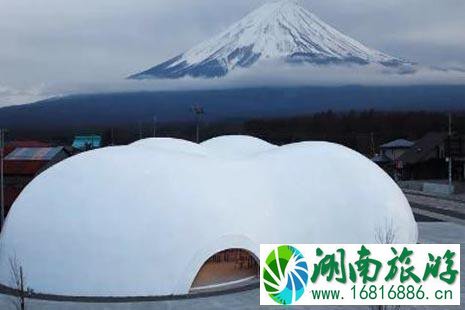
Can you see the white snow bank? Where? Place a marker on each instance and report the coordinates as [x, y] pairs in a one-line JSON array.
[[142, 219]]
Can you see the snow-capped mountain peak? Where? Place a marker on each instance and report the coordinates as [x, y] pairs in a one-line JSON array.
[[277, 30]]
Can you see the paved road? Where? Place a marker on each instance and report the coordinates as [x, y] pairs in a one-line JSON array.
[[453, 197], [438, 208], [436, 202], [431, 232]]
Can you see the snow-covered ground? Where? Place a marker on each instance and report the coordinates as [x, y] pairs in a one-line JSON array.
[[431, 232]]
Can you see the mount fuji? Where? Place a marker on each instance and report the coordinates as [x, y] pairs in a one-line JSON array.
[[283, 31]]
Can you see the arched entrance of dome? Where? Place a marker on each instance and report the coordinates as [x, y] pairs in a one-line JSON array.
[[227, 269]]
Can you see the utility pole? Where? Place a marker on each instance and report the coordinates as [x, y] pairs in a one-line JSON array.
[[372, 140], [2, 185], [199, 112], [450, 153]]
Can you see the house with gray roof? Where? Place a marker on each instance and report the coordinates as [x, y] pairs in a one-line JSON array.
[[426, 159], [394, 149]]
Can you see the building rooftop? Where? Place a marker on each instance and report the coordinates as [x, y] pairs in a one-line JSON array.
[[82, 199], [381, 159], [34, 153], [423, 147], [12, 145], [398, 144]]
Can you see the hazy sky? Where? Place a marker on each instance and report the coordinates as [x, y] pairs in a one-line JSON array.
[[48, 46]]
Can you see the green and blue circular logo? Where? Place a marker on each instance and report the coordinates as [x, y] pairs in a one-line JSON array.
[[285, 275]]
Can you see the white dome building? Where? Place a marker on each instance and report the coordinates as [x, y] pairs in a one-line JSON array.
[[143, 219]]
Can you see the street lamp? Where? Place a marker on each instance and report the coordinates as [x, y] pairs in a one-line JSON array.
[[199, 112]]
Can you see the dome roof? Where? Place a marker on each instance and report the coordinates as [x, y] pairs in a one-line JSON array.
[[142, 219]]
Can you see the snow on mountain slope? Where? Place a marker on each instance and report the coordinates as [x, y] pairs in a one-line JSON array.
[[281, 30]]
